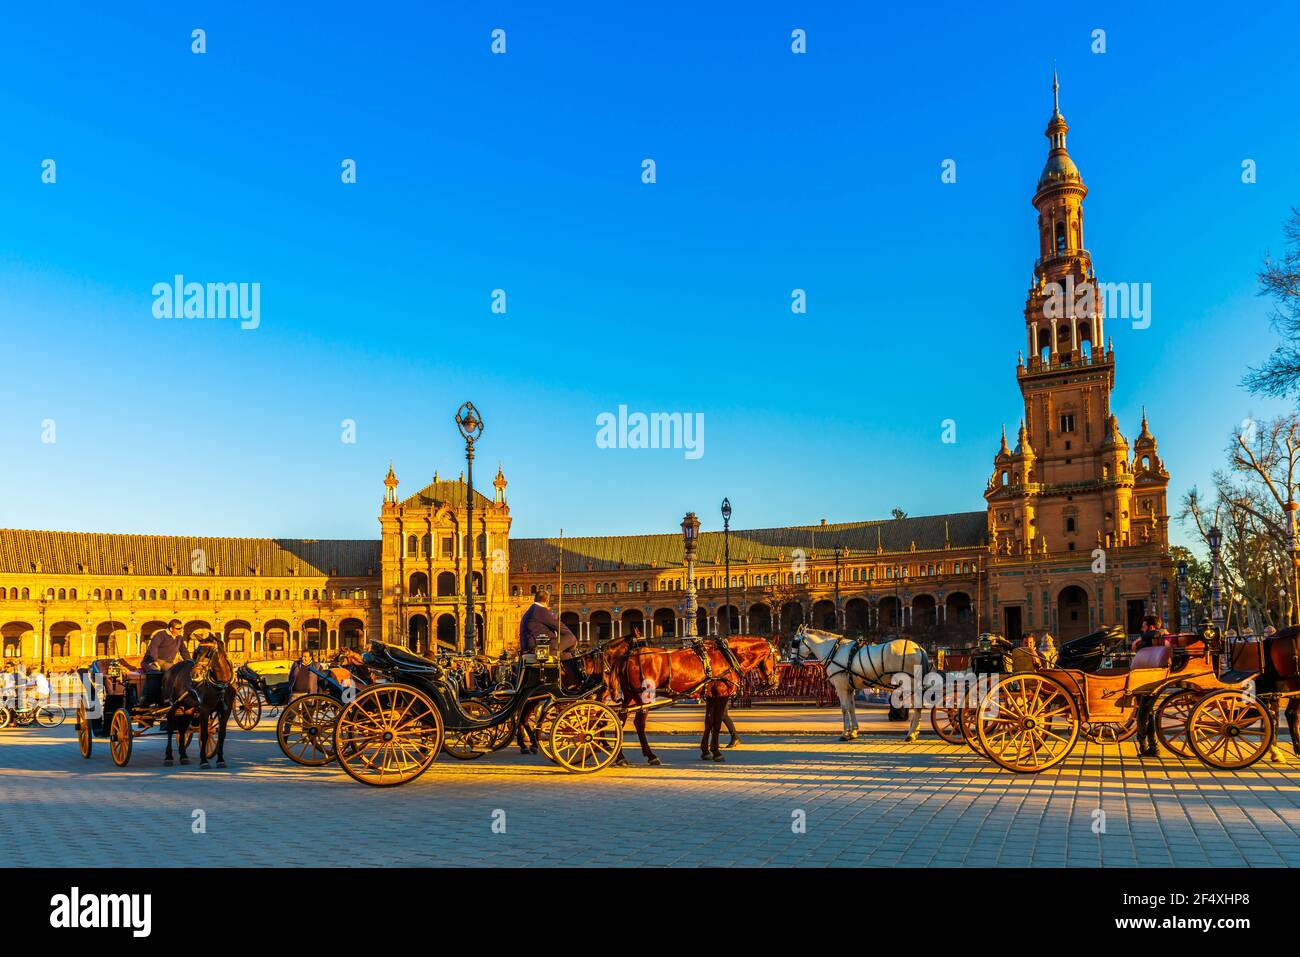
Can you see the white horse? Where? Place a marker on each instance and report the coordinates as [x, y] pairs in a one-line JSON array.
[[849, 670]]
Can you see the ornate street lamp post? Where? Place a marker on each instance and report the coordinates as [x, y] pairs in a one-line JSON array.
[[470, 424], [1214, 538], [1164, 602], [1183, 620], [45, 600], [690, 538], [726, 561], [399, 627]]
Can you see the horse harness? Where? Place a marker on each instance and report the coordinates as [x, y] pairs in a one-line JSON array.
[[855, 646]]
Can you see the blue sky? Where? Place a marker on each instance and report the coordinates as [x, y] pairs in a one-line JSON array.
[[523, 172]]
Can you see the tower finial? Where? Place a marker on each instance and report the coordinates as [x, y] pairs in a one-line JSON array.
[[1056, 91]]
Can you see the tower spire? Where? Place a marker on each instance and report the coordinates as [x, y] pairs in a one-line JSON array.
[[1056, 91]]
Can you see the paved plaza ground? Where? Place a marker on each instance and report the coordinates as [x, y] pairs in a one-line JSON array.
[[871, 802]]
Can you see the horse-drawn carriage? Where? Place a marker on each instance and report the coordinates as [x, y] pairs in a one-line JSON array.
[[260, 686], [116, 705], [391, 732], [1029, 720]]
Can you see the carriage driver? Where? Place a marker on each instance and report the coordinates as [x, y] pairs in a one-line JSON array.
[[539, 620], [166, 648]]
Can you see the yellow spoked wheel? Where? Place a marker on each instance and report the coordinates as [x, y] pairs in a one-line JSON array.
[[968, 721], [1109, 732], [947, 724], [586, 737], [389, 734], [544, 724], [1171, 721], [85, 740], [119, 738], [248, 707], [1028, 722], [305, 730], [1228, 730]]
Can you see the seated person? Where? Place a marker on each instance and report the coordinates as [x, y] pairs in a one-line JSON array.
[[166, 648], [539, 620], [302, 677], [1152, 635]]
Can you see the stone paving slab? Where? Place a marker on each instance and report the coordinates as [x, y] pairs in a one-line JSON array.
[[874, 802]]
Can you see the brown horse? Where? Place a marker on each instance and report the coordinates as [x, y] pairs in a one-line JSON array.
[[635, 671], [196, 690], [1281, 674]]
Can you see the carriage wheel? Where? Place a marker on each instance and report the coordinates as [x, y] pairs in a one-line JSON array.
[[305, 730], [120, 738], [186, 736], [1028, 722], [248, 707], [23, 718], [1109, 732], [474, 744], [389, 734], [1171, 721], [544, 724], [947, 723], [586, 736], [50, 716], [6, 718], [1228, 730], [84, 738]]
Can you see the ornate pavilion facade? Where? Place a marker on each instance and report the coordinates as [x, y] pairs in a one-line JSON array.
[[1074, 536]]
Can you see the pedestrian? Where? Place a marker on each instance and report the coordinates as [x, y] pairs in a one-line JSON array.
[[302, 677]]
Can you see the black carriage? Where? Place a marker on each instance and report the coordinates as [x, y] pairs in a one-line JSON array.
[[120, 703], [305, 729], [391, 732], [261, 686]]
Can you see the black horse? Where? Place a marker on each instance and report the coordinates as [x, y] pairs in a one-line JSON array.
[[199, 689]]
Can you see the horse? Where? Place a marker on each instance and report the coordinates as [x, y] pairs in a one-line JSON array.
[[852, 665], [1281, 674], [199, 689], [635, 671]]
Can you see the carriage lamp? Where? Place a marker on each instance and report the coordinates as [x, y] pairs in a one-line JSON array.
[[470, 424]]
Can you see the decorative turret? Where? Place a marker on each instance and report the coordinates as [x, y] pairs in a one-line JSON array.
[[1004, 453], [390, 486], [1023, 449], [499, 483]]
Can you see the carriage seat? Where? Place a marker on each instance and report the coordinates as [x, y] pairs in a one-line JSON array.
[[403, 658], [1157, 656]]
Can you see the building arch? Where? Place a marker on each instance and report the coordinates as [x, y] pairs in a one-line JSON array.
[[1072, 613], [925, 611], [446, 583], [277, 637], [448, 633], [352, 633], [857, 616], [791, 617], [65, 639], [665, 623], [760, 619], [418, 585], [198, 624], [631, 618], [239, 637], [417, 633]]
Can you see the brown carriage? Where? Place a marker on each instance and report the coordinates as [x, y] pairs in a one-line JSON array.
[[1031, 720]]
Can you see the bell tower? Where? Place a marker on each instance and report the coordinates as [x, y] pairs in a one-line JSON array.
[[1070, 486]]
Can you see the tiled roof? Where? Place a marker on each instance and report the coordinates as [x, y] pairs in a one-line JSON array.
[[444, 492], [60, 553], [960, 530]]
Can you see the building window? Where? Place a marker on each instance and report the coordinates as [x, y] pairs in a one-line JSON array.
[[1067, 423]]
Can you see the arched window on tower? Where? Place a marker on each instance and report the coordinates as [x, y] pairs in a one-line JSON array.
[[1060, 237]]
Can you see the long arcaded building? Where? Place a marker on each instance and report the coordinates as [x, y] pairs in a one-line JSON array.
[[1074, 534]]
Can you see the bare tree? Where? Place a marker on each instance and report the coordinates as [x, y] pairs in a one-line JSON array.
[[1279, 376], [1251, 505]]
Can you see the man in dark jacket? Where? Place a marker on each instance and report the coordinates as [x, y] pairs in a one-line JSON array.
[[540, 621], [302, 678], [166, 648]]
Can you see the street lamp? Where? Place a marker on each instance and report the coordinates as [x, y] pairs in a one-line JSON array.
[[44, 601], [1164, 602], [1214, 538], [839, 554], [690, 539], [470, 424], [726, 560], [1183, 620]]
